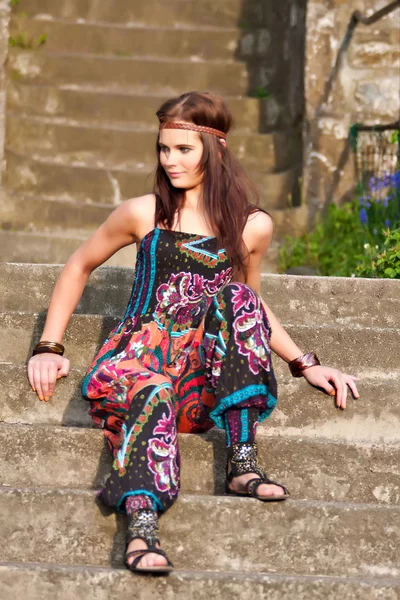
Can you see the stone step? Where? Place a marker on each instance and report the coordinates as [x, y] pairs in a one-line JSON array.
[[297, 537], [50, 215], [19, 331], [35, 213], [77, 182], [318, 469], [33, 581], [312, 301], [85, 104], [81, 182], [302, 411], [123, 147], [42, 247], [139, 74], [120, 40], [225, 13]]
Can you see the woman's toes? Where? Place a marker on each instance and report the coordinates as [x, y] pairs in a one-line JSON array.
[[270, 490]]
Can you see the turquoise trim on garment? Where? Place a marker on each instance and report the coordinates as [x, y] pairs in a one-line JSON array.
[[156, 502], [85, 382], [138, 298], [221, 340], [153, 262], [127, 434], [133, 293], [178, 334], [189, 246], [244, 422], [227, 432], [217, 311], [229, 401]]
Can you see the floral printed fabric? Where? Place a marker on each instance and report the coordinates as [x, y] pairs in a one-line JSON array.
[[190, 346]]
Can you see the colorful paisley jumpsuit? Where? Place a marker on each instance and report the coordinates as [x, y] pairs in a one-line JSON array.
[[190, 347]]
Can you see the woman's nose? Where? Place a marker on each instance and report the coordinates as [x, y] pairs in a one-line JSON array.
[[170, 159]]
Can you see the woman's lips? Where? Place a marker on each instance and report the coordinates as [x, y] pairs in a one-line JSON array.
[[175, 174]]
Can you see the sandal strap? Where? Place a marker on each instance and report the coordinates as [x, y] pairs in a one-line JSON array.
[[272, 482], [143, 525], [253, 484], [143, 552], [243, 459]]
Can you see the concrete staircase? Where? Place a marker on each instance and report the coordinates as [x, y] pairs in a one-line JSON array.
[[81, 118], [337, 537]]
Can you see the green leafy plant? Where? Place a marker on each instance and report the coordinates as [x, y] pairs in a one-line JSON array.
[[21, 40], [350, 237], [385, 263], [261, 92]]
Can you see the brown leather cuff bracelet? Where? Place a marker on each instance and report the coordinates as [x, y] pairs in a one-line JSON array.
[[51, 347], [298, 365]]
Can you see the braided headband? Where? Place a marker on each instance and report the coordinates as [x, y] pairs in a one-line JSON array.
[[193, 127]]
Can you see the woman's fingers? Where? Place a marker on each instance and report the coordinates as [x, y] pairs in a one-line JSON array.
[[30, 376], [52, 378], [341, 389], [37, 380], [44, 380], [43, 372], [64, 370], [334, 382], [349, 379]]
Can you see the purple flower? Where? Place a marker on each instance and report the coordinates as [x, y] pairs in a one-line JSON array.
[[363, 216], [386, 180], [387, 223]]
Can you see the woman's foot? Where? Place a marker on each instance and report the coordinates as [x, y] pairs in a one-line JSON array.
[[264, 490], [143, 552], [149, 560]]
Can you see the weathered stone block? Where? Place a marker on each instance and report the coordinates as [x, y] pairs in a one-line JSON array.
[[379, 98]]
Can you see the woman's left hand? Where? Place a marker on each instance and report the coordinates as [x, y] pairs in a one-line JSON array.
[[323, 377]]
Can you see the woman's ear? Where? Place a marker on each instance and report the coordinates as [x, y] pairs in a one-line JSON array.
[[223, 142]]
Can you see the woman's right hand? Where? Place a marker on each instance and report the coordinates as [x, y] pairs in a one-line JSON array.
[[44, 370]]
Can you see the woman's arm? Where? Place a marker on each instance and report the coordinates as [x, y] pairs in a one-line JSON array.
[[117, 231], [257, 237]]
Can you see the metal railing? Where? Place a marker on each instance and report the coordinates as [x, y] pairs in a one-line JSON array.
[[357, 17]]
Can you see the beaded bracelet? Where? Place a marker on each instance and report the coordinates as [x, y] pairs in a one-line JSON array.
[[51, 347], [298, 365]]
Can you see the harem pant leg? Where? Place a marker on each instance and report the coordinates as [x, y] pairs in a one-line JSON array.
[[146, 459], [237, 355]]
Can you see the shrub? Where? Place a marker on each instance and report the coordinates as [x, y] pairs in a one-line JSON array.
[[338, 244], [385, 263]]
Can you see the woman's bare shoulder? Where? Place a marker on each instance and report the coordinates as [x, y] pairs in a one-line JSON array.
[[141, 212], [258, 232]]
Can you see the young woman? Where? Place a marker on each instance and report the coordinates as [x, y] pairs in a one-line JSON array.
[[193, 349]]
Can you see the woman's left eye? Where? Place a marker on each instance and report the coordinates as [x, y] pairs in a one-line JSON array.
[[184, 150]]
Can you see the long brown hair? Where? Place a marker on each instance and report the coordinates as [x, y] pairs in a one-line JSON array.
[[229, 196]]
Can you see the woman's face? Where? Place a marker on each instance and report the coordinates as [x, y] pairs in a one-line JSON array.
[[180, 155]]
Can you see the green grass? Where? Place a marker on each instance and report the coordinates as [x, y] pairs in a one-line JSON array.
[[21, 40]]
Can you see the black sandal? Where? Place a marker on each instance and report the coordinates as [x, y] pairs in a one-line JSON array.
[[243, 459], [144, 526]]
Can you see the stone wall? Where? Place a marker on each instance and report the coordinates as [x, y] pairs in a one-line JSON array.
[[363, 86], [272, 46], [4, 20]]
